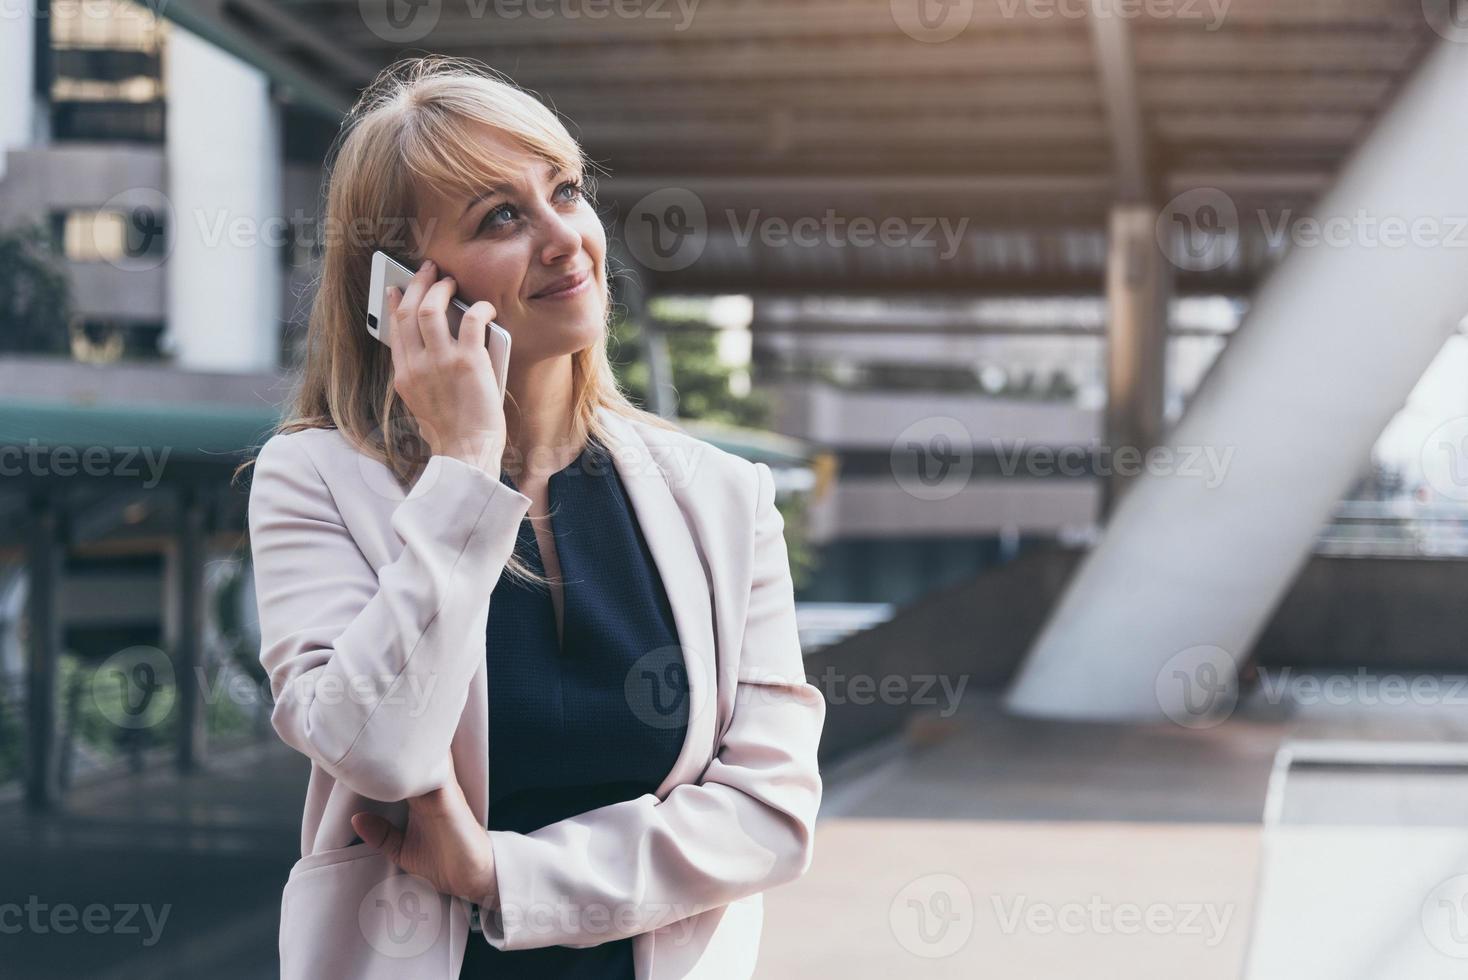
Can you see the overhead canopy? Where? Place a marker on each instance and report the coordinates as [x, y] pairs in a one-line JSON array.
[[1026, 124], [111, 457]]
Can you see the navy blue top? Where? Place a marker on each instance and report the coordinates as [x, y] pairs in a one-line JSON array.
[[595, 721]]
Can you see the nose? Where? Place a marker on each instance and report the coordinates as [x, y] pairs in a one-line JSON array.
[[562, 239]]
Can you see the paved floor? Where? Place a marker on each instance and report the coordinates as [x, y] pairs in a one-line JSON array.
[[188, 870], [977, 845], [993, 846], [987, 845]]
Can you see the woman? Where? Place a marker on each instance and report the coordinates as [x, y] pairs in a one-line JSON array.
[[542, 652]]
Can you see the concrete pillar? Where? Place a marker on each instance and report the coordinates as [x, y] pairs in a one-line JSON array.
[[224, 186], [17, 79], [187, 628], [45, 549], [662, 396], [1138, 286], [1157, 620]]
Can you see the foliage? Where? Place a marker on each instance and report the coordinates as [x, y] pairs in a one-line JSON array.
[[705, 393], [36, 305]]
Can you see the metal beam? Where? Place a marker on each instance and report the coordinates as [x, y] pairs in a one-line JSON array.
[[954, 326], [820, 22], [695, 281], [671, 130], [1111, 38], [907, 186], [639, 63], [301, 78]]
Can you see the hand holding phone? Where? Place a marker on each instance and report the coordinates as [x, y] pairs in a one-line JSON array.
[[447, 382], [388, 272]]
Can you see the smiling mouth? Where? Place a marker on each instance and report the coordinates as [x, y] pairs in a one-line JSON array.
[[569, 286]]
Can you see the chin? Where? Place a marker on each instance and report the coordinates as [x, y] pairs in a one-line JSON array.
[[556, 340]]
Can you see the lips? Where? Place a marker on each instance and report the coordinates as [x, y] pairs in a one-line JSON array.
[[565, 282]]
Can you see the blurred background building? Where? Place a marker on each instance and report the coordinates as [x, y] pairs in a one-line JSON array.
[[941, 266]]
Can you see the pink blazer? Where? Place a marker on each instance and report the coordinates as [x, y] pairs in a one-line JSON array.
[[373, 605]]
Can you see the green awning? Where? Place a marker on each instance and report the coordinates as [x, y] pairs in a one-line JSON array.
[[185, 430], [210, 431]]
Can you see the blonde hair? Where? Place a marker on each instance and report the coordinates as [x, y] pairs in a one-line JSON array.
[[408, 129]]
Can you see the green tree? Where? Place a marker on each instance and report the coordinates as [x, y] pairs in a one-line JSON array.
[[700, 378], [704, 393], [36, 305]]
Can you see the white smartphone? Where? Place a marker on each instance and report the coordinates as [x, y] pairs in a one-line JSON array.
[[388, 271]]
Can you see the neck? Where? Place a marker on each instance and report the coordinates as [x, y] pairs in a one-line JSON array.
[[538, 417]]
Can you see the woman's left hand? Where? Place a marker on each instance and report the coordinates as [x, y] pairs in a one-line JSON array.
[[443, 842]]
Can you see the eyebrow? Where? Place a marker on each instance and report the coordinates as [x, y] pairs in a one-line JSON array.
[[550, 173]]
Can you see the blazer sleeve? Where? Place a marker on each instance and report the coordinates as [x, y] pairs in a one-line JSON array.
[[370, 669], [746, 826]]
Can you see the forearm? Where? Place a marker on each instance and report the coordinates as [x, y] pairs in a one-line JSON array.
[[370, 671], [634, 866]]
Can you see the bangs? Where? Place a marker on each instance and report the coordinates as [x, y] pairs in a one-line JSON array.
[[437, 148]]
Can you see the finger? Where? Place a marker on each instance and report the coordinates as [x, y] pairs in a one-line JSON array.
[[399, 341], [380, 833], [474, 327], [433, 321], [412, 296]]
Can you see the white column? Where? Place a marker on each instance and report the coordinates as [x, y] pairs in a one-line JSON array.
[[17, 68], [1174, 595], [224, 187]]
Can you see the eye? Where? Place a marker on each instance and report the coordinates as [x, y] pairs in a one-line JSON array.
[[576, 187], [489, 222]]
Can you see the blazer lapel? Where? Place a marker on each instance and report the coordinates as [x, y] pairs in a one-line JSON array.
[[670, 540]]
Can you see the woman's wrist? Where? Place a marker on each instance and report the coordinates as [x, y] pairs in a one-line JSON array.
[[486, 881], [481, 454]]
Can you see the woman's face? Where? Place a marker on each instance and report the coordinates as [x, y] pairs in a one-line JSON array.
[[518, 246]]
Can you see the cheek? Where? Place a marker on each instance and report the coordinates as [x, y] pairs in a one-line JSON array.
[[593, 235], [497, 275]]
